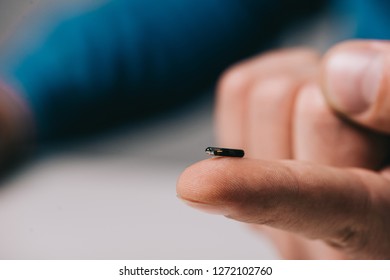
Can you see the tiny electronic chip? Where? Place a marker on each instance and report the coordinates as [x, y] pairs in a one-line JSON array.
[[224, 152]]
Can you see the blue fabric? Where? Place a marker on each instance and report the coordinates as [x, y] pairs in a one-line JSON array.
[[126, 55], [78, 70], [372, 18]]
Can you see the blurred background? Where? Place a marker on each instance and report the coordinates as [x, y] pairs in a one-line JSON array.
[[113, 196]]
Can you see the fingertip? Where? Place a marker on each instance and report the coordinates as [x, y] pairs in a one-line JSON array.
[[207, 181]]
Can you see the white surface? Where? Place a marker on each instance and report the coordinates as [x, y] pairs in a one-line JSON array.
[[115, 199]]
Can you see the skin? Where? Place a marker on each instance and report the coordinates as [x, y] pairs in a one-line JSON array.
[[316, 133], [17, 128]]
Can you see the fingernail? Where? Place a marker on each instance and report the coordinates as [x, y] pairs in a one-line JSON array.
[[210, 209], [353, 80]]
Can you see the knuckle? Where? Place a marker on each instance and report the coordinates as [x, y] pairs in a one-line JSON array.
[[272, 90], [350, 240], [310, 102], [233, 81], [295, 59]]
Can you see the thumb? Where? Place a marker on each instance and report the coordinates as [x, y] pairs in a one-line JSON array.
[[355, 79]]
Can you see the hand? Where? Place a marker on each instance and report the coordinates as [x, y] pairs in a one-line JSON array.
[[16, 128], [330, 118]]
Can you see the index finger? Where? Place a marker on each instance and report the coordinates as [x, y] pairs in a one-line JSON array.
[[321, 202]]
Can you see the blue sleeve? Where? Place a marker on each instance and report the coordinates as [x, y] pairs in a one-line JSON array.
[[370, 17], [128, 56]]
